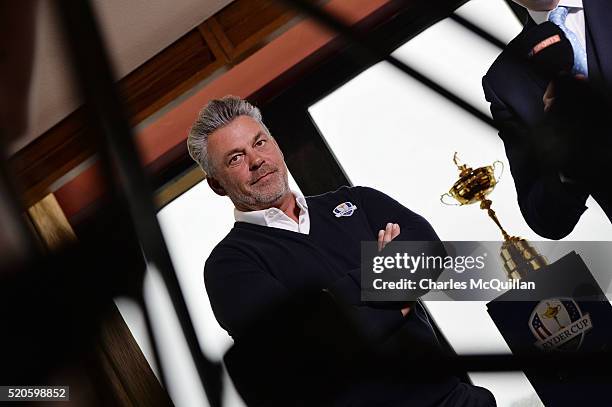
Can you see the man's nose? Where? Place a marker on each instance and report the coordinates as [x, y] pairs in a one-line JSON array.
[[256, 161]]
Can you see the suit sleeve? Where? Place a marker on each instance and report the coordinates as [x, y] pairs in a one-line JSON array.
[[550, 207]]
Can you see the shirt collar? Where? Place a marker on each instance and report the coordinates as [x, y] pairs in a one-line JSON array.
[[301, 201], [541, 16], [264, 216]]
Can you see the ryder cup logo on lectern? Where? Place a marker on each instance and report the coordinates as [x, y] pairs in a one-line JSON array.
[[558, 324], [344, 209]]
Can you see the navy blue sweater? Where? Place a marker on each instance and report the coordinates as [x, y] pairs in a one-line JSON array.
[[256, 269]]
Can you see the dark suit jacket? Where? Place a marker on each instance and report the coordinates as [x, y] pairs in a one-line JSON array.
[[550, 207]]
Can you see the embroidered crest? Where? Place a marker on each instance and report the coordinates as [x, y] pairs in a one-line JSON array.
[[345, 209]]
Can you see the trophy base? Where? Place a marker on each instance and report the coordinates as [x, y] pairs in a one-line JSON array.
[[574, 316]]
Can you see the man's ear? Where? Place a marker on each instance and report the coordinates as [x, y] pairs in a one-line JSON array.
[[215, 186]]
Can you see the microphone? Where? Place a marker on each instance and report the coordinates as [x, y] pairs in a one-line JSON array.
[[547, 50]]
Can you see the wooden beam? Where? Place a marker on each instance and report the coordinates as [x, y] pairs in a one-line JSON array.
[[50, 156], [178, 186], [127, 372], [213, 41], [168, 75], [50, 223], [241, 27]]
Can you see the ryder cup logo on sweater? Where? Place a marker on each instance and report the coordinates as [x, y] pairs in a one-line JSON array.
[[345, 209], [558, 324]]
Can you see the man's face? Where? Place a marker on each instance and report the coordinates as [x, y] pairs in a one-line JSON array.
[[248, 165], [538, 5]]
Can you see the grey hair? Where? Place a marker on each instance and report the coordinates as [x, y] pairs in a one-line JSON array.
[[216, 114]]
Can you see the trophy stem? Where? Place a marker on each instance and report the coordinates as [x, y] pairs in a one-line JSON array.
[[518, 256], [486, 204]]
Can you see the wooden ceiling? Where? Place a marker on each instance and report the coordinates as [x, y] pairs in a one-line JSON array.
[[223, 40], [250, 48]]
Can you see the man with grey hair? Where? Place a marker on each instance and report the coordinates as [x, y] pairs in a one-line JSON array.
[[250, 186], [284, 246]]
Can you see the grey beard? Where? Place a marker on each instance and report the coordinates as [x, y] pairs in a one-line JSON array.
[[259, 200]]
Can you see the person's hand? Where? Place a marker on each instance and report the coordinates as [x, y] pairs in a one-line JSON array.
[[390, 232], [549, 95]]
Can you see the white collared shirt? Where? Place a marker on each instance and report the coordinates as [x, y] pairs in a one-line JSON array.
[[574, 21], [274, 217]]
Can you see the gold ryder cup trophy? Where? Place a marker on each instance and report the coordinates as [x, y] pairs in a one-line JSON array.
[[475, 185], [547, 317]]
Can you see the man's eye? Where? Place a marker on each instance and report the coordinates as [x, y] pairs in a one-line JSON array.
[[235, 159], [261, 142]]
